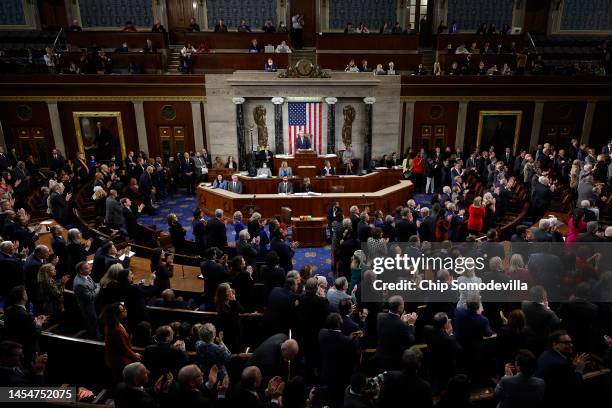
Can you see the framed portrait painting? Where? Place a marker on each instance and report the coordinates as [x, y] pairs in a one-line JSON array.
[[499, 129], [100, 134]]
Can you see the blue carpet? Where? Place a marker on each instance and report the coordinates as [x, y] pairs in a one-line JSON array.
[[183, 206]]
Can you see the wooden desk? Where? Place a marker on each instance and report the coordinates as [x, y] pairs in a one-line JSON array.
[[231, 40], [270, 204], [338, 60], [226, 173], [373, 41], [323, 184], [236, 61], [455, 40], [309, 232], [113, 39], [300, 159]]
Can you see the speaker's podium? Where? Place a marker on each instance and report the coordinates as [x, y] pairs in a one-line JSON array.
[[305, 162], [309, 231]]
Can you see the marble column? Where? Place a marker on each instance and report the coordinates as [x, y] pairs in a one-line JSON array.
[[279, 146], [461, 123], [367, 148], [242, 157], [408, 125], [141, 127], [331, 124], [587, 124], [56, 128], [536, 126], [196, 116]]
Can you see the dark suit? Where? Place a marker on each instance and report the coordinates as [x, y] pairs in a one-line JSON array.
[[302, 143], [217, 234], [19, 326], [394, 336], [162, 358], [405, 386], [188, 166], [57, 162], [331, 171], [284, 251], [248, 251], [59, 208], [286, 188], [12, 273], [268, 358], [427, 229], [339, 354], [30, 271], [443, 358], [279, 315], [234, 187], [519, 391], [128, 397], [562, 381], [540, 322], [130, 222], [214, 274], [545, 269], [405, 229]]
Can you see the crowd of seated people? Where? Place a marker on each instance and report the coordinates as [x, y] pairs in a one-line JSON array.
[[313, 331], [364, 67], [483, 29]]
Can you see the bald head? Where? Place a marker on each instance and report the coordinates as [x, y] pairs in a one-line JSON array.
[[289, 349]]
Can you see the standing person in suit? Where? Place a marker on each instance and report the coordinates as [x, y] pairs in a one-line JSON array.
[[285, 187], [57, 161], [444, 351], [199, 164], [162, 357], [523, 388], [216, 232], [284, 249], [81, 169], [234, 186], [12, 268], [302, 142], [405, 381], [130, 163], [395, 334], [540, 319], [86, 291], [274, 357], [563, 377], [188, 173], [145, 187], [130, 218], [339, 355], [114, 211], [19, 326], [427, 227]]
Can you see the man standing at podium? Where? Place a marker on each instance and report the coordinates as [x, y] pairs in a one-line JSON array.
[[302, 142]]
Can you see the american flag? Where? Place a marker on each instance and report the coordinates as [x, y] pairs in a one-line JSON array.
[[306, 117]]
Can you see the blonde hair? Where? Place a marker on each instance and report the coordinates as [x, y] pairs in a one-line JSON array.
[[43, 273], [477, 202], [255, 216], [516, 262], [488, 199], [111, 275], [237, 216]]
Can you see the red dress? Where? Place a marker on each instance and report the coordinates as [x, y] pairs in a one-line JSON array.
[[476, 218]]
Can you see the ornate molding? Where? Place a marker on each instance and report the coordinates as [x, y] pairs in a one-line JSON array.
[[277, 100], [331, 100], [238, 100], [369, 100]]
